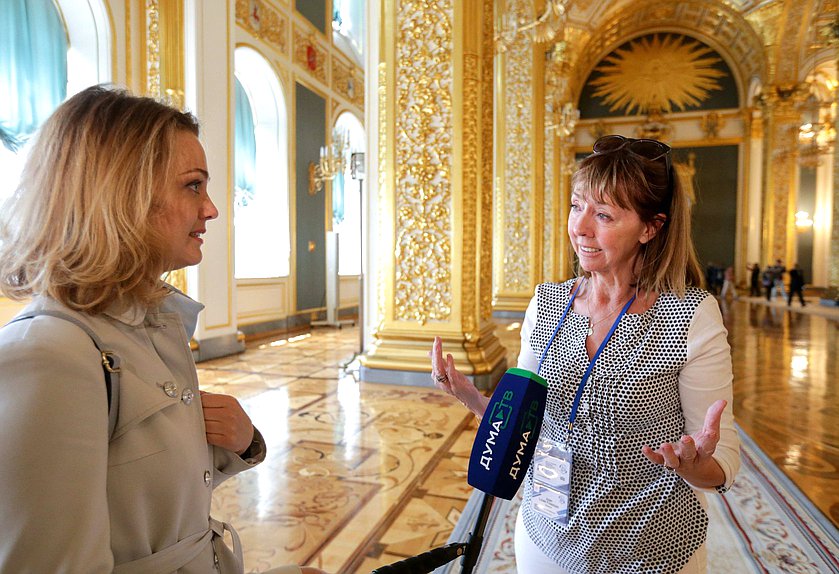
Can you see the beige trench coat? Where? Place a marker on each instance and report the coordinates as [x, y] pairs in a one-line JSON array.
[[70, 501]]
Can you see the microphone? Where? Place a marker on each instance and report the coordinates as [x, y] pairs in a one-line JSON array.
[[501, 454], [507, 436]]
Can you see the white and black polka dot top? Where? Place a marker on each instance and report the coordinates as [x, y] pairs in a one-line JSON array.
[[627, 515]]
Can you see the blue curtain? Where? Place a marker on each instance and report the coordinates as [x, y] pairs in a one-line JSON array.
[[338, 197], [33, 67], [245, 150]]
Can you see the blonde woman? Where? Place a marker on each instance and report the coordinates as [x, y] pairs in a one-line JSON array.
[[110, 452]]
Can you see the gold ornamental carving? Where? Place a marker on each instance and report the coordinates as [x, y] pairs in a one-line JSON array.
[[423, 159], [470, 162], [347, 82], [719, 25], [261, 21], [549, 241], [381, 298], [518, 187], [153, 49], [310, 55], [766, 21], [487, 151]]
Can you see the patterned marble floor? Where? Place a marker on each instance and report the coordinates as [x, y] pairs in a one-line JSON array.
[[360, 474]]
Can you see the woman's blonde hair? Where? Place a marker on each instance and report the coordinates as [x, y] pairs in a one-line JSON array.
[[80, 227], [668, 261]]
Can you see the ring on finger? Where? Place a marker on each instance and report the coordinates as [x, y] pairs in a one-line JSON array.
[[669, 469], [440, 378]]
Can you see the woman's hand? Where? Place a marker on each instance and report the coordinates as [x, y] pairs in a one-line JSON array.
[[227, 424], [691, 457], [448, 378]]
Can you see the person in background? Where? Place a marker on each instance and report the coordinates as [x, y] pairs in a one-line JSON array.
[[796, 285], [754, 284], [728, 284], [767, 279], [639, 410], [113, 195], [778, 271]]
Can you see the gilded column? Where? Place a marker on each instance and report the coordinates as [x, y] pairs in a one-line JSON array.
[[435, 123], [833, 255], [163, 70], [519, 218], [781, 120]]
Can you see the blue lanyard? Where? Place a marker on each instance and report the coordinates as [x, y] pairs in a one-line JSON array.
[[572, 417]]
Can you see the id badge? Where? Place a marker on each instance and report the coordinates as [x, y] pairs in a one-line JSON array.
[[552, 480]]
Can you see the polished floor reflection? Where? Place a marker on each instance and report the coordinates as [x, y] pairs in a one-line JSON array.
[[361, 474]]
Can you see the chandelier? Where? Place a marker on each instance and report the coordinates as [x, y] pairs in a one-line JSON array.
[[543, 28], [332, 161], [817, 132]]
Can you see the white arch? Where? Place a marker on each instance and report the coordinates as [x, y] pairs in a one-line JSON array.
[[268, 213], [349, 254], [90, 39]]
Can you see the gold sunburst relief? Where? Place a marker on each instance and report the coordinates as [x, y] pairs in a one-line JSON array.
[[658, 72]]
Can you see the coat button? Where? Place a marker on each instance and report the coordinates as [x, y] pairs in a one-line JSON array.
[[215, 559], [207, 477], [187, 396], [170, 388]]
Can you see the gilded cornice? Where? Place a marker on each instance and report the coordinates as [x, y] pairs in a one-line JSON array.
[[423, 160], [261, 21], [718, 25]]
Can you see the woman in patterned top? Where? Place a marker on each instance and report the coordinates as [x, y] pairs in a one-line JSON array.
[[639, 423]]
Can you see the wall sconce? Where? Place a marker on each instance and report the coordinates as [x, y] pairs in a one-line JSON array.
[[803, 221], [332, 161], [542, 29]]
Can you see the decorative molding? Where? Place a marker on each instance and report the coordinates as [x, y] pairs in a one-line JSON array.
[[423, 160], [347, 81], [152, 49], [261, 21], [309, 55], [487, 151], [517, 165], [469, 190], [717, 25]]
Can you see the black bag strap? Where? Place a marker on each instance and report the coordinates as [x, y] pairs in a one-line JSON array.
[[110, 361]]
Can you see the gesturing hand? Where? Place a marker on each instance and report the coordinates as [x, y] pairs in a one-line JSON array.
[[227, 424], [448, 378], [690, 457]]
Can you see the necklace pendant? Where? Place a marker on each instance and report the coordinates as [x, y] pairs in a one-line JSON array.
[[590, 331]]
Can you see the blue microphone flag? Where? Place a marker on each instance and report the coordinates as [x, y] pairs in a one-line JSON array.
[[507, 435]]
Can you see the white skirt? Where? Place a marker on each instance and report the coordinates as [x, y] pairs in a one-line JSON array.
[[531, 560]]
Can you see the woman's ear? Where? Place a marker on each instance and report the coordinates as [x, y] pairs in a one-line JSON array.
[[652, 228]]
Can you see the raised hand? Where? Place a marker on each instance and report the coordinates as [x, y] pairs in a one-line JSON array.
[[448, 378], [226, 422], [690, 457]]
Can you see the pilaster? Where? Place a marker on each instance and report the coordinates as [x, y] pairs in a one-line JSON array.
[[435, 123]]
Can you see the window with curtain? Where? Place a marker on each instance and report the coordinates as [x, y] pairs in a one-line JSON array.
[[33, 78], [347, 200], [260, 211], [245, 151], [348, 27]]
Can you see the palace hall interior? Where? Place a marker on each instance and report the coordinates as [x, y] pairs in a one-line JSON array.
[[391, 170]]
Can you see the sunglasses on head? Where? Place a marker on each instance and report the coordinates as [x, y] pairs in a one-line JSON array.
[[652, 150]]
